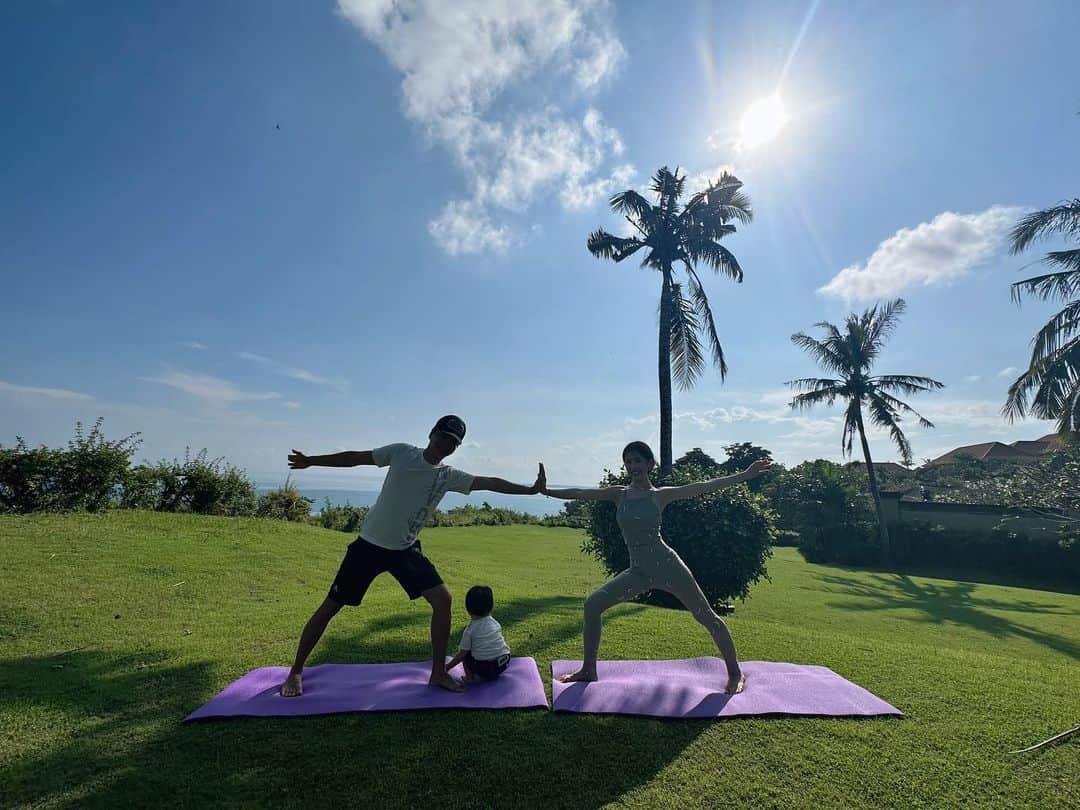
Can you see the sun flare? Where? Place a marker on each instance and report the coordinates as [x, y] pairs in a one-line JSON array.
[[763, 121]]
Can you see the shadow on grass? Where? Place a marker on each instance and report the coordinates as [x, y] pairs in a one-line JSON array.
[[104, 730], [953, 603], [127, 747], [532, 626], [965, 574]]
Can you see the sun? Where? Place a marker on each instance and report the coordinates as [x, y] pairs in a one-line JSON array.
[[763, 122]]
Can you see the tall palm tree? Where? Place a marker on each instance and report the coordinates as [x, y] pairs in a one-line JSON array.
[[1052, 379], [849, 355], [687, 235]]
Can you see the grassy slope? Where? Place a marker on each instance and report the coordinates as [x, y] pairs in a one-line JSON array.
[[979, 669]]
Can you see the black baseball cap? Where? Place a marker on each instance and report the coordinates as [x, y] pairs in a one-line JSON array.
[[454, 425]]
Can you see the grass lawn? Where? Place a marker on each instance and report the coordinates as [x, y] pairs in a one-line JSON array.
[[978, 669]]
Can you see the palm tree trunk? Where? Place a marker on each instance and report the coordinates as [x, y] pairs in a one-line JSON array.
[[663, 362], [883, 529]]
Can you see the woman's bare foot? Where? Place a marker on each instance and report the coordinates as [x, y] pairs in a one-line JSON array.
[[292, 686], [736, 684], [445, 681], [581, 676]]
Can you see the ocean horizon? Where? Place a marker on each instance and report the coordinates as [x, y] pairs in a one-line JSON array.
[[539, 505]]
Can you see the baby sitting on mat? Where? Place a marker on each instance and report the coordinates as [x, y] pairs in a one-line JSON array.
[[483, 651]]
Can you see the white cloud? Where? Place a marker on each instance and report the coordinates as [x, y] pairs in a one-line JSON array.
[[971, 378], [305, 376], [291, 404], [463, 227], [457, 58], [935, 252], [1008, 372], [255, 358], [212, 390], [51, 393], [301, 374], [577, 196], [193, 344]]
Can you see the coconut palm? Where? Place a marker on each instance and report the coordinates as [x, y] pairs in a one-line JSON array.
[[849, 355], [1052, 379], [688, 235]]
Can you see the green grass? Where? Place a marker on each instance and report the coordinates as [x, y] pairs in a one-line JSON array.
[[978, 669]]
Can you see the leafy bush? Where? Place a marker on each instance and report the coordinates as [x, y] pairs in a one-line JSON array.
[[574, 515], [724, 538], [89, 475], [826, 505], [201, 485], [284, 503], [483, 515], [347, 518], [1053, 484], [999, 551]]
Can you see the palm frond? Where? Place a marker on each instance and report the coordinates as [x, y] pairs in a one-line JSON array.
[[604, 245], [687, 361], [902, 407], [668, 187], [1062, 285], [826, 355], [1057, 383], [881, 322], [1069, 259], [826, 394], [635, 208], [1063, 218], [883, 415], [1048, 383], [852, 423], [1069, 420], [906, 383], [816, 384], [718, 257], [728, 201], [1059, 329], [704, 311]]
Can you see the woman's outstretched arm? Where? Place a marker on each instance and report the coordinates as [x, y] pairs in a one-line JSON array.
[[601, 494], [669, 494]]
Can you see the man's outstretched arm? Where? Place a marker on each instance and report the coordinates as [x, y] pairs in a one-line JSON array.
[[350, 458], [508, 487]]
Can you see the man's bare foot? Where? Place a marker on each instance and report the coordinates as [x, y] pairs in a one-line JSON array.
[[736, 684], [445, 681], [292, 687], [581, 676]]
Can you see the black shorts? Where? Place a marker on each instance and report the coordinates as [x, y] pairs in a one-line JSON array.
[[364, 561], [488, 670]]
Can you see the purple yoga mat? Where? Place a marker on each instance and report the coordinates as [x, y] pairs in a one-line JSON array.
[[333, 688], [693, 687]]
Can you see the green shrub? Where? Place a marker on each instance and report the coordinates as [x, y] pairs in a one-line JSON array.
[[574, 515], [724, 538], [89, 475], [484, 515], [284, 503], [827, 507], [998, 551], [141, 488], [203, 486], [347, 518]]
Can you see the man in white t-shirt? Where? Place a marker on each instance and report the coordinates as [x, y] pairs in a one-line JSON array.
[[388, 541]]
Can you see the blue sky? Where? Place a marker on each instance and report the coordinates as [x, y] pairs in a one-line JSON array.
[[252, 227]]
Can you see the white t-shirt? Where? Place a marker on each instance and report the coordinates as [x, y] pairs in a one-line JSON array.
[[411, 491], [484, 639]]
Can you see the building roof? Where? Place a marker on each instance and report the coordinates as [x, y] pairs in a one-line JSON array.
[[988, 451]]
